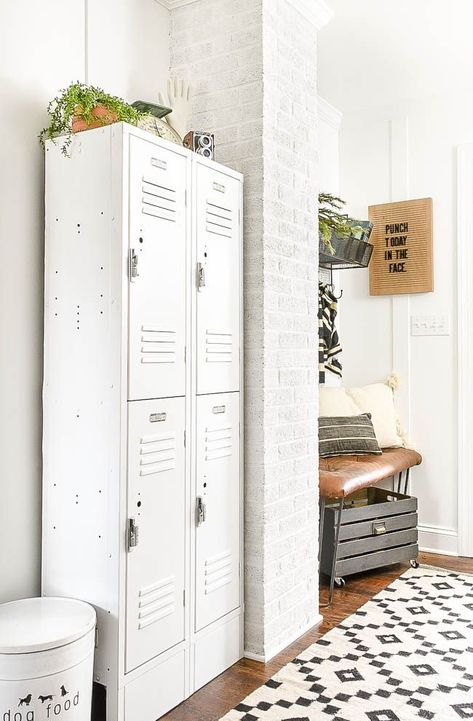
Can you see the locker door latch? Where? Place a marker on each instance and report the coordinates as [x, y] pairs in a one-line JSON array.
[[133, 265], [132, 534], [200, 275], [200, 511]]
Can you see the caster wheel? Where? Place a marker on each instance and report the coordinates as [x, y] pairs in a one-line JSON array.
[[340, 582], [414, 563]]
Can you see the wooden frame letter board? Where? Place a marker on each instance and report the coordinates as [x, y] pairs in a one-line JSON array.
[[402, 259]]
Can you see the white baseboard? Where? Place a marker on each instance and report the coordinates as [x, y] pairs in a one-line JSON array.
[[264, 658], [436, 539]]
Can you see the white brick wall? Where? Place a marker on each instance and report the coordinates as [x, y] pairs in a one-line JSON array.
[[252, 67]]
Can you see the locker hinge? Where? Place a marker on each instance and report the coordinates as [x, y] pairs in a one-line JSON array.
[[239, 216], [185, 198], [184, 597], [185, 439], [132, 534], [132, 265], [96, 637]]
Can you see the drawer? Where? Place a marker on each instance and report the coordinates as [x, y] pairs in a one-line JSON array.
[[375, 503], [366, 528], [357, 564], [377, 543]]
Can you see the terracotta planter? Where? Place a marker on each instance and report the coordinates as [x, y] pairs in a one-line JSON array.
[[101, 114]]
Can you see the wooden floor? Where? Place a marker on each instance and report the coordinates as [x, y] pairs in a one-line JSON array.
[[227, 690]]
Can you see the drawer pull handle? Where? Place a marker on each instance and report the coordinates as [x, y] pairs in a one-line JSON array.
[[379, 529]]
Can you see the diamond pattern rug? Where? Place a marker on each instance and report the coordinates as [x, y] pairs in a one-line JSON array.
[[406, 655]]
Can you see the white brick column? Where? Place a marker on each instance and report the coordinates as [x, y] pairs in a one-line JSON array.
[[252, 67]]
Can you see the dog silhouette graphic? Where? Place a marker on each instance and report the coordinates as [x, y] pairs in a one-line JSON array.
[[63, 691], [25, 701], [45, 698]]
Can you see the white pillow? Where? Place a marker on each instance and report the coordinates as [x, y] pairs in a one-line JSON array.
[[377, 399], [336, 402]]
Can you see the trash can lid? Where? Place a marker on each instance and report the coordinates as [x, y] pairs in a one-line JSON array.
[[38, 624]]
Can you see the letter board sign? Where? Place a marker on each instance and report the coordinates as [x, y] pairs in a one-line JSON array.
[[402, 260]]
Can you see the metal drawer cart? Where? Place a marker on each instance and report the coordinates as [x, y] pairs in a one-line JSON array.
[[369, 529]]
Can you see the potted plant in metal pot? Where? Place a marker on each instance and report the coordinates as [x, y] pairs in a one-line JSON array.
[[343, 240], [83, 107]]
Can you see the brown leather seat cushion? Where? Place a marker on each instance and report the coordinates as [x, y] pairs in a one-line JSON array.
[[343, 475]]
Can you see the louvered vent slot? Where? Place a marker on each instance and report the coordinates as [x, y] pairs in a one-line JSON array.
[[158, 200], [157, 346], [156, 602], [157, 453], [218, 443], [219, 220], [218, 347], [218, 571]]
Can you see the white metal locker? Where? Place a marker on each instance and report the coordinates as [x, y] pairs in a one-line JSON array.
[[156, 524], [217, 504], [132, 350], [218, 199], [157, 268]]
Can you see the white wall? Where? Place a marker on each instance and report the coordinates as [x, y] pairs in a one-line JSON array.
[[122, 44], [409, 151], [328, 142]]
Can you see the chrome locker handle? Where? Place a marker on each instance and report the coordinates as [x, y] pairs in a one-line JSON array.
[[132, 265], [200, 511], [132, 534], [200, 276]]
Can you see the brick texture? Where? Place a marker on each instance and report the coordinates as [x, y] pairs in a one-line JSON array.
[[252, 67]]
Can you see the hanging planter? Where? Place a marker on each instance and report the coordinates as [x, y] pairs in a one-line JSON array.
[[343, 241]]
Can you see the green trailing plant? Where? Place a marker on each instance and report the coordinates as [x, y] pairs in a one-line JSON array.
[[80, 102], [332, 221]]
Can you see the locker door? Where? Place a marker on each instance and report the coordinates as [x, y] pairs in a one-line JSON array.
[[157, 270], [218, 500], [156, 502], [218, 280]]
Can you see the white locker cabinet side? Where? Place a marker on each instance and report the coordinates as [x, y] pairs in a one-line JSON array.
[[84, 357], [217, 507], [156, 512], [158, 239], [218, 217], [101, 321]]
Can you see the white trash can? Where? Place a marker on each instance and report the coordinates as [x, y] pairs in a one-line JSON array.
[[46, 659]]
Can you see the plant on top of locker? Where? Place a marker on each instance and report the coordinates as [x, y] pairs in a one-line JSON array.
[[83, 107]]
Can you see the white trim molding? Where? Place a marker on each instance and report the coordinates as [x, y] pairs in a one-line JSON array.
[[287, 642], [437, 539], [329, 114], [465, 347], [174, 4], [316, 12]]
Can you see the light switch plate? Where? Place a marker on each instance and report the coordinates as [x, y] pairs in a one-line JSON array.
[[430, 325]]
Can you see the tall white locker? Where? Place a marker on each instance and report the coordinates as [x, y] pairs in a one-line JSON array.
[[142, 447]]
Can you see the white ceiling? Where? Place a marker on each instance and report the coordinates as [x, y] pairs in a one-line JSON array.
[[376, 52]]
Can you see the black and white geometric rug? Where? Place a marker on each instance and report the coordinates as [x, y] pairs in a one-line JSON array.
[[405, 655]]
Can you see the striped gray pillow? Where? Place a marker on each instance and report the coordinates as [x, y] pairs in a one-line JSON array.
[[347, 436]]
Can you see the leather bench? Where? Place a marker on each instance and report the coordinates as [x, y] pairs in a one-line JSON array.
[[342, 476]]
